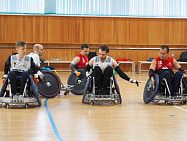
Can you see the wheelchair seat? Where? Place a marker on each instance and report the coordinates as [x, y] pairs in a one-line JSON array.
[[156, 91], [90, 94], [31, 95]]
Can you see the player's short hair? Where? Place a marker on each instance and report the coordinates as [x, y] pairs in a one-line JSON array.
[[20, 43], [165, 47], [104, 48], [84, 46]]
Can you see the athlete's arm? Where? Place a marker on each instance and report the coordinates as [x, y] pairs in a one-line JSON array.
[[90, 64], [153, 65], [152, 68], [7, 66], [75, 61], [176, 64], [114, 63]]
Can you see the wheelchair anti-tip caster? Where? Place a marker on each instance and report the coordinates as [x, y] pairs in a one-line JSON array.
[[112, 103], [26, 106], [92, 103], [66, 93], [7, 106]]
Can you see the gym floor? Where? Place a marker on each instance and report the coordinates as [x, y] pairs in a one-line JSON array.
[[66, 118]]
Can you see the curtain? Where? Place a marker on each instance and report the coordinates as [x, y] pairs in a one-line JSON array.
[[135, 8], [22, 6]]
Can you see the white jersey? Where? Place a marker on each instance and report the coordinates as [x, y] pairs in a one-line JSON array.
[[36, 58], [20, 65], [102, 65]]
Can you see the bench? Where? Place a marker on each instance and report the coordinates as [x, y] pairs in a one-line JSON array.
[[56, 62], [69, 62], [148, 62], [140, 64], [128, 62]]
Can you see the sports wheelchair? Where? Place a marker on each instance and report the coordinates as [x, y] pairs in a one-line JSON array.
[[155, 92], [30, 95], [90, 95]]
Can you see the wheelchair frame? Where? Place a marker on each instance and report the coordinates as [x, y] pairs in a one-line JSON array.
[[156, 96], [92, 97], [28, 97]]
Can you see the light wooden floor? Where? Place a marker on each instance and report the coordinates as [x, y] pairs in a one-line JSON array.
[[132, 120]]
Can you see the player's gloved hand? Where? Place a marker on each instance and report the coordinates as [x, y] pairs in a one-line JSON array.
[[88, 75], [42, 77], [134, 81], [77, 73], [152, 83], [4, 78], [36, 80], [182, 70]]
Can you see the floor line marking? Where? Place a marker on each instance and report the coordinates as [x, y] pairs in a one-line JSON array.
[[180, 108], [52, 121]]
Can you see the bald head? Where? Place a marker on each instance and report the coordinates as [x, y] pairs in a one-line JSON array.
[[38, 49]]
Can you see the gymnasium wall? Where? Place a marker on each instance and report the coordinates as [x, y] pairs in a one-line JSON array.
[[59, 33]]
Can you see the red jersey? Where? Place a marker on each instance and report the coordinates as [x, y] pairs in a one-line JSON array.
[[164, 64], [83, 61]]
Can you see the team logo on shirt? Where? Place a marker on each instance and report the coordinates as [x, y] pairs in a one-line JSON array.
[[159, 63], [83, 60], [165, 67]]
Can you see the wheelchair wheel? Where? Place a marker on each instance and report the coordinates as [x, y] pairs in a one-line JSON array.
[[78, 87], [185, 86], [51, 87], [86, 89], [35, 90], [117, 89], [3, 89], [150, 90]]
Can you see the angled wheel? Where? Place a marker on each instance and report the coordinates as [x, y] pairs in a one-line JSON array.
[[78, 84], [35, 90], [86, 89], [117, 89], [51, 87], [150, 90], [3, 89], [185, 86]]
